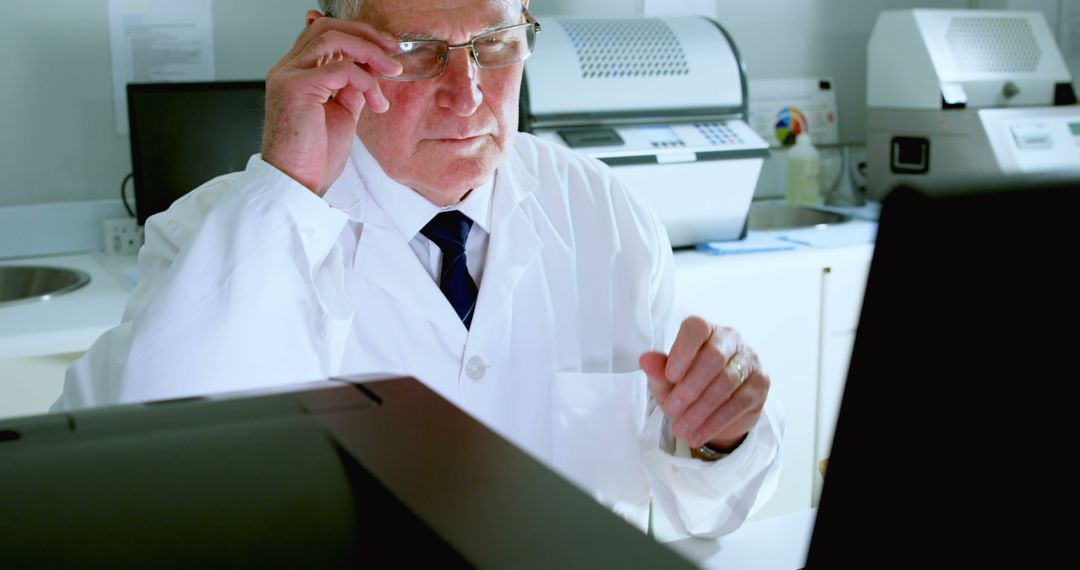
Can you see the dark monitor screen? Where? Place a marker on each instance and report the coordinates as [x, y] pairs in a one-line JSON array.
[[952, 432], [184, 134]]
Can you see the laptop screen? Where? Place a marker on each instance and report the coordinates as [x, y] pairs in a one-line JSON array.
[[947, 440], [345, 473]]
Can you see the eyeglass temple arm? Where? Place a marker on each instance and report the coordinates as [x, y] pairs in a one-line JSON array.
[[529, 19]]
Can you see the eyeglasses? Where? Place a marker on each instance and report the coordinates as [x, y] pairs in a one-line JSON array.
[[426, 59]]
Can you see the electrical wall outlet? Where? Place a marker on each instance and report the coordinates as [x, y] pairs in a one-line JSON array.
[[123, 236], [857, 166]]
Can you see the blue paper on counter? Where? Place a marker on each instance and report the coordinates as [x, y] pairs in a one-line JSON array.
[[750, 244]]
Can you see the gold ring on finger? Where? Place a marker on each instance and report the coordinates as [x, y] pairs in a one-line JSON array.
[[735, 365]]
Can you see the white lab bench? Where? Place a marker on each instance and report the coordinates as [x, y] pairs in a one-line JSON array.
[[798, 309], [69, 322], [39, 340]]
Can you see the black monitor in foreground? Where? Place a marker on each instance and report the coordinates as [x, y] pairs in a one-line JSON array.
[[957, 423], [184, 134], [381, 474]]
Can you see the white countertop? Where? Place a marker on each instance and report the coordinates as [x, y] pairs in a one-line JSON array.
[[70, 322]]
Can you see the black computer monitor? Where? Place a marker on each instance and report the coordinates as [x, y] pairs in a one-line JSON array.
[[184, 134], [955, 428]]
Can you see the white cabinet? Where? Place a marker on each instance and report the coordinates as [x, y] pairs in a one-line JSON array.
[[798, 310], [843, 285], [28, 386], [774, 302]]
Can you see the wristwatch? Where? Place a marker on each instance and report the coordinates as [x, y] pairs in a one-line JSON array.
[[707, 453]]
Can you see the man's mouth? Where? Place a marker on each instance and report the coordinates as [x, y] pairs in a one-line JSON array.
[[461, 142], [460, 138]]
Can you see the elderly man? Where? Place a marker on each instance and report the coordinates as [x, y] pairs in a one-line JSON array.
[[396, 222]]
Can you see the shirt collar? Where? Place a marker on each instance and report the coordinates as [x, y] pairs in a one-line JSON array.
[[406, 208]]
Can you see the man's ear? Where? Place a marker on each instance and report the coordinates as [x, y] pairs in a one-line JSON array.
[[311, 16]]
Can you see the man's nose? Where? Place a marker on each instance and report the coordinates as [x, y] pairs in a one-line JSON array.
[[460, 89]]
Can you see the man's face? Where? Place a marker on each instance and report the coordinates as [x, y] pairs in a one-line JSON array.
[[446, 135]]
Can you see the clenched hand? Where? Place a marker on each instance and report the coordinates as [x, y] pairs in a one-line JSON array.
[[711, 386]]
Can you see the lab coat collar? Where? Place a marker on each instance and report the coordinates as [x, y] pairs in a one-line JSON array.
[[513, 246], [406, 209], [388, 262], [386, 259], [515, 181], [392, 216]]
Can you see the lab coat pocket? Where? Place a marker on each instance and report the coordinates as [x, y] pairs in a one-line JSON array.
[[597, 420]]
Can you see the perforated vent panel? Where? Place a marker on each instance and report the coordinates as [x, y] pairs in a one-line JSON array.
[[626, 48], [993, 44]]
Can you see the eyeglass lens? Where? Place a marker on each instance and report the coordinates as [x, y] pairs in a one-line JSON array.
[[423, 59]]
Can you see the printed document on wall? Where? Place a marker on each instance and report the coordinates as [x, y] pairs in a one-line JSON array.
[[158, 41]]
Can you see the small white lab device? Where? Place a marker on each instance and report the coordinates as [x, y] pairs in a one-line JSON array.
[[967, 93], [663, 101]]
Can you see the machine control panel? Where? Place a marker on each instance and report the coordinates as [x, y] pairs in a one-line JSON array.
[[666, 142], [719, 134], [1047, 143], [1031, 136]]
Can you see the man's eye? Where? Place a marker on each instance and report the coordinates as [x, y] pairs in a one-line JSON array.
[[422, 53], [494, 43]]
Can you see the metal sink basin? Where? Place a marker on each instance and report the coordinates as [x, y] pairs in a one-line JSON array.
[[26, 283], [779, 216]]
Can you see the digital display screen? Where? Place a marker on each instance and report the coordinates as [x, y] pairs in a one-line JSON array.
[[1075, 128]]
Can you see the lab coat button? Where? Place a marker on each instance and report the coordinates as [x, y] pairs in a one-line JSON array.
[[307, 233], [475, 368]]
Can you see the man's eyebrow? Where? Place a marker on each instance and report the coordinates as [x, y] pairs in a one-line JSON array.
[[407, 36], [410, 36], [513, 22]]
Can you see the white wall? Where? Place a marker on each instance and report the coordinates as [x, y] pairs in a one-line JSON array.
[[793, 38], [618, 8], [58, 141]]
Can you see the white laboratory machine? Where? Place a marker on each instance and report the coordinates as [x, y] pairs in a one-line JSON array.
[[967, 93], [663, 101]]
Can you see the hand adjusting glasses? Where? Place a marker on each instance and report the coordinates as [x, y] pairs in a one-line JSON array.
[[426, 59]]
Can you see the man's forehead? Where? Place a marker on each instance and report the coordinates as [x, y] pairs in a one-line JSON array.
[[419, 18]]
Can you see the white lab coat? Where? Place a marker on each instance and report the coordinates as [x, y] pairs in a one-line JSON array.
[[253, 281]]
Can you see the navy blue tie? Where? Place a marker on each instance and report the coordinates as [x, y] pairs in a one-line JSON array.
[[449, 230]]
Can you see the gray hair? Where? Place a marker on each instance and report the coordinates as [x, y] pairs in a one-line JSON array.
[[344, 9]]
